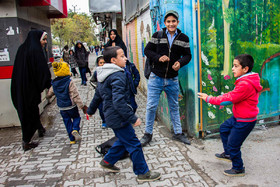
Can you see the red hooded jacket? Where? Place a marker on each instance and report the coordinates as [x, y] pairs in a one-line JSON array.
[[244, 98]]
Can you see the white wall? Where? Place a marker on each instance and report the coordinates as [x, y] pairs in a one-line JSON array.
[[8, 114], [8, 8]]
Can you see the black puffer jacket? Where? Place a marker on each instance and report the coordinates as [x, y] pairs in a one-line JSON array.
[[113, 89], [179, 51]]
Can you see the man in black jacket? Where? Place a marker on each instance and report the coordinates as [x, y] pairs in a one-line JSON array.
[[168, 55]]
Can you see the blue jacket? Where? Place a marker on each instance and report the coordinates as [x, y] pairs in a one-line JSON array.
[[61, 91], [113, 89]]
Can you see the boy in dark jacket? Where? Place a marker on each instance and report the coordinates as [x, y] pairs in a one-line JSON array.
[[113, 90], [68, 98]]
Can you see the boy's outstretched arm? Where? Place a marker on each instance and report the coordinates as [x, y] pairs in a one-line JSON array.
[[94, 103]]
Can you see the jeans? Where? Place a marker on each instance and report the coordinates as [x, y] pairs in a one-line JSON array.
[[233, 134], [83, 72], [71, 119], [127, 141], [156, 85]]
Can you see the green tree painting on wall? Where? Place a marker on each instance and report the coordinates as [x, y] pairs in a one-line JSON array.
[[230, 28]]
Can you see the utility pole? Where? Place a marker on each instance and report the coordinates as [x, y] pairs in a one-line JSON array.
[[74, 6]]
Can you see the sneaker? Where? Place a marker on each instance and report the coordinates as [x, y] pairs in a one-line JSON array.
[[146, 139], [223, 156], [148, 177], [109, 166], [72, 142], [76, 134], [28, 146], [181, 138], [235, 173], [104, 125]]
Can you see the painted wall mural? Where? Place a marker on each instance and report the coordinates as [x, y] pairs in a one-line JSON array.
[[230, 28], [138, 33]]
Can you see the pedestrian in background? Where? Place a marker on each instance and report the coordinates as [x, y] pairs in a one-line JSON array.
[[73, 63], [245, 98], [68, 100], [30, 77], [131, 71], [99, 62], [113, 91], [167, 56], [81, 56], [65, 54]]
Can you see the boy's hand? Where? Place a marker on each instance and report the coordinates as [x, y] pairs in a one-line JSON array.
[[202, 96], [85, 109], [163, 58], [137, 123], [176, 66]]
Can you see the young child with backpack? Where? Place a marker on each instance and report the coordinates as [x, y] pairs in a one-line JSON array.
[[99, 62], [68, 100], [113, 91], [244, 98]]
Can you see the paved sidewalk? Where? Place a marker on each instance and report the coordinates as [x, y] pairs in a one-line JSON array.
[[57, 163]]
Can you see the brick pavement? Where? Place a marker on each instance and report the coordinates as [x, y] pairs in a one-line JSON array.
[[57, 163]]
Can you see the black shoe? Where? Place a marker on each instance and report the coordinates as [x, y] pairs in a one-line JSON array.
[[109, 166], [148, 177], [28, 146], [146, 139], [235, 173], [223, 156], [181, 138], [41, 132]]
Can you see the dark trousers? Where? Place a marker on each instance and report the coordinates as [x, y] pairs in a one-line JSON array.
[[83, 74], [73, 70], [71, 119], [233, 134], [130, 143]]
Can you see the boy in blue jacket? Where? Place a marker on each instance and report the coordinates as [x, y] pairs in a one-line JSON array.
[[68, 100], [113, 90]]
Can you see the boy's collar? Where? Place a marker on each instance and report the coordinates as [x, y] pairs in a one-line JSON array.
[[245, 75], [176, 32]]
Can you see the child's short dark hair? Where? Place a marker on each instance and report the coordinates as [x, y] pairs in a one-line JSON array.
[[110, 52], [99, 58], [245, 60]]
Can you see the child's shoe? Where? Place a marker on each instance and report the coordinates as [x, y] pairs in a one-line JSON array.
[[109, 166], [72, 142], [223, 156], [148, 177], [235, 173], [76, 134], [104, 125]]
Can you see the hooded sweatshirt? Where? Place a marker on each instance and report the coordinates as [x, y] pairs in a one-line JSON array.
[[244, 98], [113, 90]]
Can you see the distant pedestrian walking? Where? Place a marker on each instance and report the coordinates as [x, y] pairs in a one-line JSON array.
[[81, 56], [72, 62], [244, 98], [68, 100], [65, 54], [30, 77]]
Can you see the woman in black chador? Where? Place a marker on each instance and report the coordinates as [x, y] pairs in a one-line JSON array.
[[115, 40], [30, 77]]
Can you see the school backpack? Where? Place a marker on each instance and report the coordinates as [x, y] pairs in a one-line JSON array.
[[104, 147], [149, 63]]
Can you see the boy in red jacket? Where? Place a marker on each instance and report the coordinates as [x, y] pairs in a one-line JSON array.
[[244, 98]]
